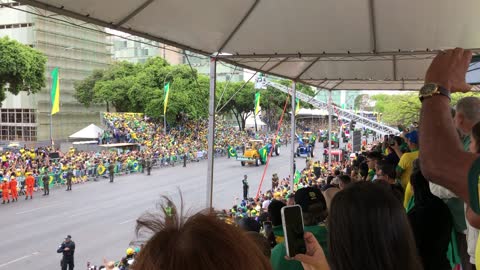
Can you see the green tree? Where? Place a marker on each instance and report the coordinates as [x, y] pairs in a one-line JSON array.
[[21, 68], [242, 103], [84, 92], [139, 88], [405, 108]]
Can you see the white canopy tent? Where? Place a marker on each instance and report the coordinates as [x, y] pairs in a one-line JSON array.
[[250, 122], [87, 133], [341, 44], [311, 112]]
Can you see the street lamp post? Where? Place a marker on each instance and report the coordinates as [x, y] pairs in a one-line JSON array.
[[164, 100]]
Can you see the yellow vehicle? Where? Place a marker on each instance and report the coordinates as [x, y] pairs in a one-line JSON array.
[[252, 153]]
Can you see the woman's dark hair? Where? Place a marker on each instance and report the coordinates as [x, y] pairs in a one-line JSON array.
[[420, 185], [200, 242], [368, 215], [329, 179], [363, 169], [275, 212], [476, 135], [261, 242]]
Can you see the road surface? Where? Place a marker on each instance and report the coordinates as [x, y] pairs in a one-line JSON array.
[[100, 216]]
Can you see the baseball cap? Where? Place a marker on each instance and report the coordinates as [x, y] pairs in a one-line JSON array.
[[68, 237], [412, 137], [308, 196]]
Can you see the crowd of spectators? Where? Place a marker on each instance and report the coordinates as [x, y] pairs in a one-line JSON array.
[[185, 142], [398, 205]]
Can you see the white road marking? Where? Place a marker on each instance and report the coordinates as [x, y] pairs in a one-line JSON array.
[[19, 259], [127, 221], [35, 209], [84, 213]]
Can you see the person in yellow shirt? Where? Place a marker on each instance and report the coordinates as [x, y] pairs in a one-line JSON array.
[[405, 165]]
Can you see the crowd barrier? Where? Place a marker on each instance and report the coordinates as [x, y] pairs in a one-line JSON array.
[[92, 173]]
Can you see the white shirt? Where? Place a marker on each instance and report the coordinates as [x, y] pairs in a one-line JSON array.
[[265, 204]]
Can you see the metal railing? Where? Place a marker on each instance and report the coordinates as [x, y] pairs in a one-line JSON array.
[[341, 113]]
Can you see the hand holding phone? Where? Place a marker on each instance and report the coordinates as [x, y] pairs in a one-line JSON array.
[[314, 258], [292, 222]]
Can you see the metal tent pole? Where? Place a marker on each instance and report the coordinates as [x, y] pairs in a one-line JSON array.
[[329, 129], [211, 131], [292, 136]]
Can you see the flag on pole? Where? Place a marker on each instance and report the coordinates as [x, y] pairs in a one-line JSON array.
[[297, 106], [55, 93], [232, 152], [166, 89], [263, 154], [297, 177], [257, 102]]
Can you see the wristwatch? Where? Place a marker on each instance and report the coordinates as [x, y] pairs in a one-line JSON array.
[[432, 89]]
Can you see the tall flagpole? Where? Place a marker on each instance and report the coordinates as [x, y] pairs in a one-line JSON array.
[[51, 121], [51, 115]]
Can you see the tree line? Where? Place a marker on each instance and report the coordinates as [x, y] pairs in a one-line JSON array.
[[129, 87]]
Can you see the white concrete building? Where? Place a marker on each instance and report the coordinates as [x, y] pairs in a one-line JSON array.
[[75, 50]]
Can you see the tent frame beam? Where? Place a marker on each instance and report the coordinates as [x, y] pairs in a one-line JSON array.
[[134, 13], [373, 25], [277, 64], [307, 68], [325, 54], [239, 25]]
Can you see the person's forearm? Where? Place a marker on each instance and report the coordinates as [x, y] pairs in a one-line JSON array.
[[472, 218], [443, 160], [398, 152]]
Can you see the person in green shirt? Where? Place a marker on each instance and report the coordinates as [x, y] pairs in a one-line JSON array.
[[314, 209]]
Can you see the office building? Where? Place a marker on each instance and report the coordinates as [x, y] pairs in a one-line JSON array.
[[69, 45]]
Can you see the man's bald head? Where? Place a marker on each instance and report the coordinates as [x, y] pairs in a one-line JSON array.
[[468, 113]]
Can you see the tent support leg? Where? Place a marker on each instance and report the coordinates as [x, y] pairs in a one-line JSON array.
[[211, 131], [292, 136], [329, 129]]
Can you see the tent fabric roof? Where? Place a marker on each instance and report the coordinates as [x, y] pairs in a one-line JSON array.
[[342, 44], [89, 132], [311, 112]]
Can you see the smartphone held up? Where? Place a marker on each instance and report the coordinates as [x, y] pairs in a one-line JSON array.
[[292, 222]]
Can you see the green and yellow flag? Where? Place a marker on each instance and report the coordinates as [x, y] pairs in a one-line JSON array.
[[297, 106], [166, 89], [232, 152], [55, 93], [297, 177], [257, 102], [263, 154]]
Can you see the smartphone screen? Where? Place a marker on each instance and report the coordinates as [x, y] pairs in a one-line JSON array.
[[292, 221], [267, 226], [473, 72]]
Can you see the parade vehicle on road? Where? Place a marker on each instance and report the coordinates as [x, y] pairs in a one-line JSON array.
[[275, 150], [305, 146], [252, 154]]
